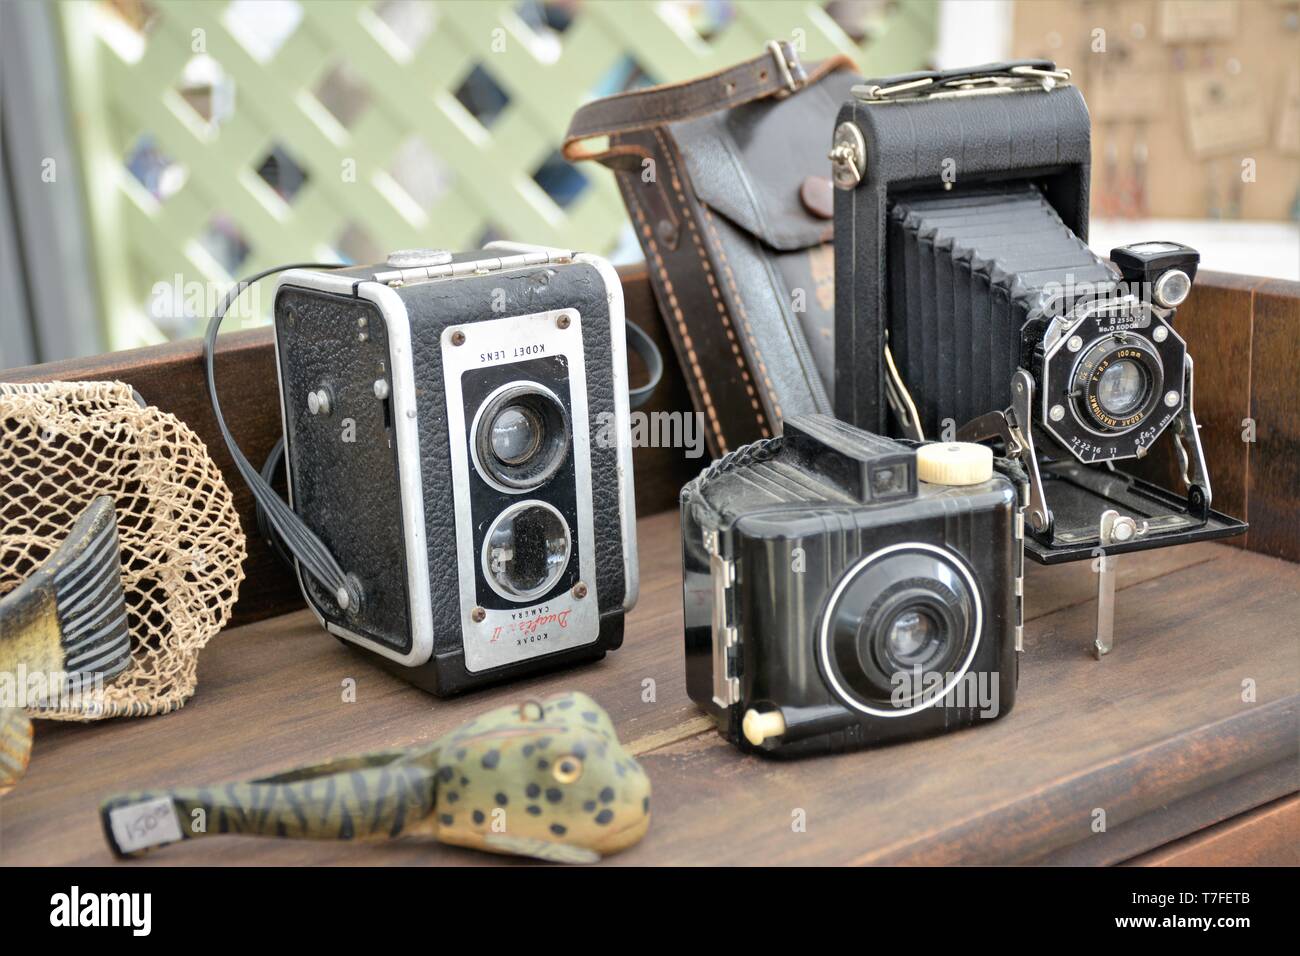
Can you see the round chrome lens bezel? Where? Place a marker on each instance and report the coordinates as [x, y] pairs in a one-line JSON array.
[[524, 597]]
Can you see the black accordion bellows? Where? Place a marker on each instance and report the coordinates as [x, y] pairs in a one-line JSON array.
[[966, 273]]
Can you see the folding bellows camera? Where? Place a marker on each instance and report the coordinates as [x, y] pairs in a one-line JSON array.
[[969, 304]]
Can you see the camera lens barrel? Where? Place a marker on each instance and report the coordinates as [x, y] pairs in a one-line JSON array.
[[900, 629], [520, 436], [1110, 379], [1117, 383]]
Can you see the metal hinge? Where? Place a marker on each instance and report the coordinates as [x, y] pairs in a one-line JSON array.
[[472, 267], [726, 686]]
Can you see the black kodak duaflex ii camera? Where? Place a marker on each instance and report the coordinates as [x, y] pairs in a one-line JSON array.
[[969, 304], [842, 589], [456, 436]]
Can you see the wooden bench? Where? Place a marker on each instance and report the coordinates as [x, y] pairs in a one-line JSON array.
[[1161, 736]]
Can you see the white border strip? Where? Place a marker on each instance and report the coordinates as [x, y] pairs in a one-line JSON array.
[[622, 422]]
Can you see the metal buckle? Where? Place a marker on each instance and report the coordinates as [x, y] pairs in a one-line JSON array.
[[788, 65]]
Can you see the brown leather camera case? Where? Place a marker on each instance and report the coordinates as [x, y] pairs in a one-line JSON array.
[[728, 185]]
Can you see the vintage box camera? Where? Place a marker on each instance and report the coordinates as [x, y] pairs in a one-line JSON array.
[[842, 589], [969, 304], [456, 434]]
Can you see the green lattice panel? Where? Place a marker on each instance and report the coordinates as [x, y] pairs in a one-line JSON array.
[[140, 241]]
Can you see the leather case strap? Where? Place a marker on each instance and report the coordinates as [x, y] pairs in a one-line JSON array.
[[777, 72]]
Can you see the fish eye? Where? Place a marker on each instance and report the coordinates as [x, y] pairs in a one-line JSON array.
[[567, 769], [532, 709]]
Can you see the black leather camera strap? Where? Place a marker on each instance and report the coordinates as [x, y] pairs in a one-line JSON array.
[[282, 525], [285, 532], [644, 346], [777, 72]]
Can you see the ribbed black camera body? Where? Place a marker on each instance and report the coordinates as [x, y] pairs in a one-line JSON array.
[[456, 432], [833, 601], [969, 305]]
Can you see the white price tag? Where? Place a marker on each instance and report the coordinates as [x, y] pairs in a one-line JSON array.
[[140, 825]]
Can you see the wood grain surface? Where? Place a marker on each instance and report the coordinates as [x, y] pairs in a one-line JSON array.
[[1155, 735], [1243, 334], [1265, 836]]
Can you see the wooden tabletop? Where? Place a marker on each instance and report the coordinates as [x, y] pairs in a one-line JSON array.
[[1157, 735]]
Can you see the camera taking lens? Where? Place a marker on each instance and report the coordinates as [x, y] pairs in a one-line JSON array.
[[1117, 384], [906, 615]]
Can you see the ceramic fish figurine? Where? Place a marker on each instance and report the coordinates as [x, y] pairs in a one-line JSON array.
[[15, 746], [66, 624], [546, 779]]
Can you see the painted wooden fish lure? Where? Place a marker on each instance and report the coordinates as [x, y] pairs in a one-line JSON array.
[[546, 779]]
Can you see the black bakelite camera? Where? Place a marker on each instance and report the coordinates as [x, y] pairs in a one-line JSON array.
[[456, 438], [842, 589], [970, 306]]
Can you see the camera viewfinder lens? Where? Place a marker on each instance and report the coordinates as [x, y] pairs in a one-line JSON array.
[[526, 551], [890, 481]]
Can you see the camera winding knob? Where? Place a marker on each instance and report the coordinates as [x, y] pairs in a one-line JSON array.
[[954, 463], [758, 726]]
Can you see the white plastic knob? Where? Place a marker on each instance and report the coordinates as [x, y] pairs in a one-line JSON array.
[[954, 463], [758, 727]]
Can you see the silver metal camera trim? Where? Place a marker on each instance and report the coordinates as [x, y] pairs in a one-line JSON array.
[[583, 614], [487, 539], [622, 408], [483, 471], [622, 422], [823, 635], [410, 481]]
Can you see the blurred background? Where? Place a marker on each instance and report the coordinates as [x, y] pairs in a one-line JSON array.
[[155, 150]]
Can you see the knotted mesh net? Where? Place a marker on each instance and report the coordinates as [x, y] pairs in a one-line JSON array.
[[62, 444]]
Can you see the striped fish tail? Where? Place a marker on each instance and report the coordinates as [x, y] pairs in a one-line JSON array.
[[90, 599], [70, 616]]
